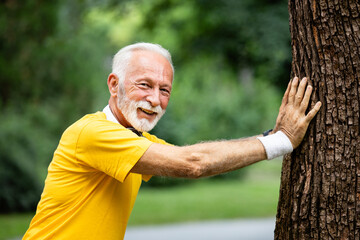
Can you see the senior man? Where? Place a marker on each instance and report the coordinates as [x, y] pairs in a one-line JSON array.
[[101, 160]]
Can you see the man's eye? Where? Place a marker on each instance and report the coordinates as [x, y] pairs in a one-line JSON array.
[[144, 85], [165, 90]]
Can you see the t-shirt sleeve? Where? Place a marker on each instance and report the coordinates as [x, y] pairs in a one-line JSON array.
[[110, 148]]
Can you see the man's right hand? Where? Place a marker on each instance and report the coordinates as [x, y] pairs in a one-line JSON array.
[[292, 119]]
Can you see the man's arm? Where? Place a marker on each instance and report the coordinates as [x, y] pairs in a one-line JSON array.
[[211, 158], [199, 160]]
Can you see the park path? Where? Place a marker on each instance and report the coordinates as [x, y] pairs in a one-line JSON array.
[[238, 229], [247, 229]]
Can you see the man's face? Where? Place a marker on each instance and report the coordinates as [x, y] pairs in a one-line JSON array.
[[146, 89]]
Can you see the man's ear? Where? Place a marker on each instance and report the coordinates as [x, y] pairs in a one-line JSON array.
[[113, 83]]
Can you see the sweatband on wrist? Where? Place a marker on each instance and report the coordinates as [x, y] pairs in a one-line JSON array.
[[276, 144]]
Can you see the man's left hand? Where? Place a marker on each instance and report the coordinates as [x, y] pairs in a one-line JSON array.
[[292, 119]]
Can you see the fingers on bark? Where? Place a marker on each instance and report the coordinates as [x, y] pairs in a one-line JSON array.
[[300, 92], [293, 90], [311, 114], [306, 99]]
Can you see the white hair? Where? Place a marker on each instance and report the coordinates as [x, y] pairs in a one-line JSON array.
[[122, 58]]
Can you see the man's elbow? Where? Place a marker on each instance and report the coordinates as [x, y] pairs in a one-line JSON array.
[[194, 172], [196, 166]]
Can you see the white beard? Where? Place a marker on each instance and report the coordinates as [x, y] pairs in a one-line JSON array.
[[129, 108]]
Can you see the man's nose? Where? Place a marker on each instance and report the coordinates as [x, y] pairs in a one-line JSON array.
[[154, 98]]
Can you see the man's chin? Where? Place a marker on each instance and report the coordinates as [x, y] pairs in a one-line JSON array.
[[144, 125]]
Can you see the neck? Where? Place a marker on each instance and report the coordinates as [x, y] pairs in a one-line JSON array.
[[117, 113]]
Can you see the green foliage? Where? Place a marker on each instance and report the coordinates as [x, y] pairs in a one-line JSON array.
[[45, 85], [244, 33], [231, 60], [18, 174], [24, 29], [22, 35]]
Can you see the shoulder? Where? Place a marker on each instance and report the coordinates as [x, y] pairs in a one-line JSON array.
[[87, 119], [154, 139], [94, 127], [77, 127]]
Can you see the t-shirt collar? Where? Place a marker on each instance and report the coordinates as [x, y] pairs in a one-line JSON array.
[[109, 115]]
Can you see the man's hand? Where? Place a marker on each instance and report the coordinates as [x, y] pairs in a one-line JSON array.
[[292, 119]]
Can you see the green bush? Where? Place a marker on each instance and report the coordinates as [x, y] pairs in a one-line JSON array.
[[19, 179]]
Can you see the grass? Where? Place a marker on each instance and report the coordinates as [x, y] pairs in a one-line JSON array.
[[254, 196], [14, 225]]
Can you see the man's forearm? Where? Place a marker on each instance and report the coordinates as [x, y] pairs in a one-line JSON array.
[[223, 156], [200, 160]]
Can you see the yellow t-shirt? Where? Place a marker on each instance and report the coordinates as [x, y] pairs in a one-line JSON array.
[[89, 191]]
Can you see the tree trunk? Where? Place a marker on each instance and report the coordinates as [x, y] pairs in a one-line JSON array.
[[320, 183]]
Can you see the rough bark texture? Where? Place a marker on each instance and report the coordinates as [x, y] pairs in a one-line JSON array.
[[320, 183]]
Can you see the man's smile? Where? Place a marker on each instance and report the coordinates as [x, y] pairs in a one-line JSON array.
[[148, 112]]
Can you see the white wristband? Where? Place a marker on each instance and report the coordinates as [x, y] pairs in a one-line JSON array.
[[276, 144]]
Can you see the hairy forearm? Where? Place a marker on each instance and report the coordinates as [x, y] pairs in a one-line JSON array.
[[200, 160], [214, 158]]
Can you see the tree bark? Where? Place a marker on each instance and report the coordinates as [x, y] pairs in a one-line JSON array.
[[320, 182]]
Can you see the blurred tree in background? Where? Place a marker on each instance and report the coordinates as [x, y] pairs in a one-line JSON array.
[[231, 58]]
